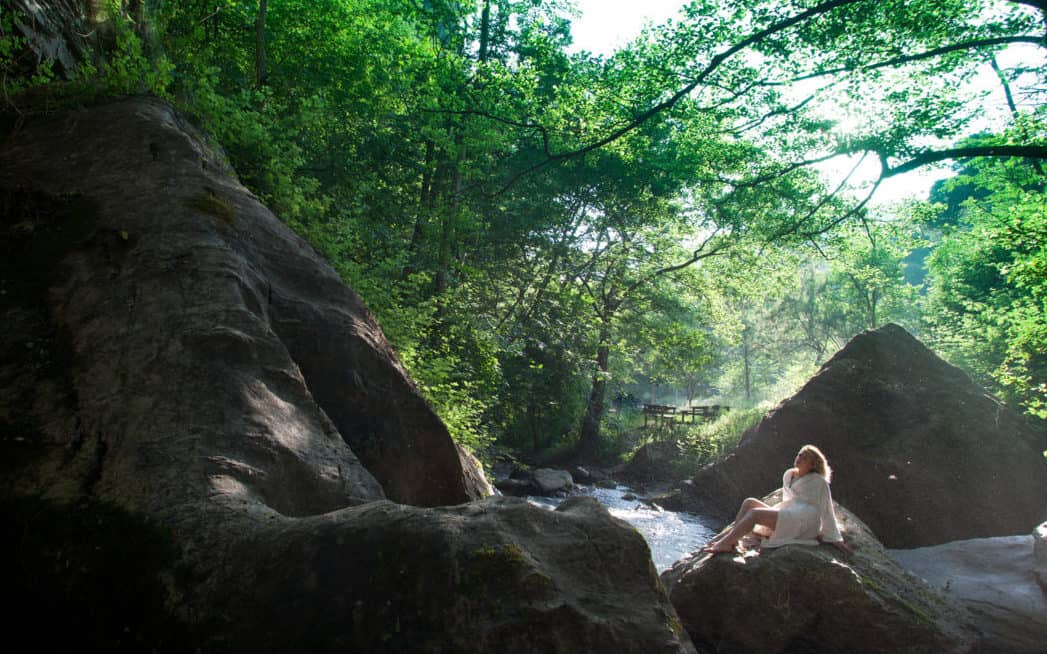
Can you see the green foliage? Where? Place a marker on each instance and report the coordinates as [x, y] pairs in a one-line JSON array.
[[117, 63], [126, 68], [987, 298], [709, 440], [538, 230], [18, 69]]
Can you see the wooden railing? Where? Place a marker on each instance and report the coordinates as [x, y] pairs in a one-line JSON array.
[[665, 414]]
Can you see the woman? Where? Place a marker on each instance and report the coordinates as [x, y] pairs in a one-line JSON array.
[[805, 515]]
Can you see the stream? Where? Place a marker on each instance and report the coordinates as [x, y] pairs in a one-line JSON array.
[[669, 534]]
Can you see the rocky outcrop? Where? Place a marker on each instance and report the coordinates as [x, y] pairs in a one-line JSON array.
[[541, 481], [57, 32], [202, 332], [62, 34], [178, 368], [995, 579], [589, 475], [1039, 551], [921, 453], [651, 463], [814, 599], [471, 578]]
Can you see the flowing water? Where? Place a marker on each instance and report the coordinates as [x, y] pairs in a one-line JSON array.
[[669, 534]]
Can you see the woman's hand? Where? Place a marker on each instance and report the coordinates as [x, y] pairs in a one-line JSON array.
[[843, 547]]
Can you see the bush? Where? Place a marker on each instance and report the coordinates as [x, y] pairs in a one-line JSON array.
[[704, 443]]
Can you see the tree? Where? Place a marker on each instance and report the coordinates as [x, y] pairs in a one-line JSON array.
[[907, 59], [517, 216], [987, 297]]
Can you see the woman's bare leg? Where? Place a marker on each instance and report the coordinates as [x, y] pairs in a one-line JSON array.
[[748, 504], [768, 517]]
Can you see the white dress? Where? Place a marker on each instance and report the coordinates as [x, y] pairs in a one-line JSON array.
[[805, 513]]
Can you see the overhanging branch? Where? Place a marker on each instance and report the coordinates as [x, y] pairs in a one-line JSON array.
[[675, 98], [919, 56], [1035, 152]]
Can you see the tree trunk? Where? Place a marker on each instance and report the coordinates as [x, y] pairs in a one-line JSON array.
[[589, 441], [485, 31], [449, 223], [259, 43], [746, 355], [426, 203]]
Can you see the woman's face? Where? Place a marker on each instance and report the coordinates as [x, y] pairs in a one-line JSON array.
[[803, 464]]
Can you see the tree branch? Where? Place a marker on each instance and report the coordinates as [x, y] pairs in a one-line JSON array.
[[696, 256], [671, 101], [763, 179], [499, 119], [1035, 152], [905, 59]]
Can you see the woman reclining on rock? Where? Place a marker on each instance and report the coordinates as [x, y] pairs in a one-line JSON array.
[[805, 515]]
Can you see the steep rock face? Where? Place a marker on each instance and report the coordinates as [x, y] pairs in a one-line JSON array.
[[187, 386], [814, 599], [58, 31], [190, 306], [920, 452]]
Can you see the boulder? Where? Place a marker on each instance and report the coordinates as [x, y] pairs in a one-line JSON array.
[[651, 463], [550, 481], [920, 452], [814, 599], [516, 487], [1039, 550], [995, 579], [231, 347], [587, 474], [196, 410], [541, 481], [470, 578]]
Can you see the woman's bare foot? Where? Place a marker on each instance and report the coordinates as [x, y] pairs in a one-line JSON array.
[[717, 548]]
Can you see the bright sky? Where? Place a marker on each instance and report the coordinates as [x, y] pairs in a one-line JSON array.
[[607, 24]]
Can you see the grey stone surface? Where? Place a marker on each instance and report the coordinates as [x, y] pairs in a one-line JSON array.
[[814, 599], [995, 578], [550, 481], [204, 332]]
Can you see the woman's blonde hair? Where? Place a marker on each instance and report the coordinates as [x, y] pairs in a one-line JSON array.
[[818, 461]]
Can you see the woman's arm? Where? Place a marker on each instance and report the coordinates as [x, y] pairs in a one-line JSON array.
[[830, 528]]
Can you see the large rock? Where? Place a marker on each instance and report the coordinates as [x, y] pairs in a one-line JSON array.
[[471, 578], [1039, 550], [551, 481], [651, 463], [230, 346], [995, 578], [541, 481], [195, 408], [920, 452], [814, 599]]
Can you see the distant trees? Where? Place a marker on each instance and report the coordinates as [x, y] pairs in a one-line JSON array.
[[986, 308], [534, 226]]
